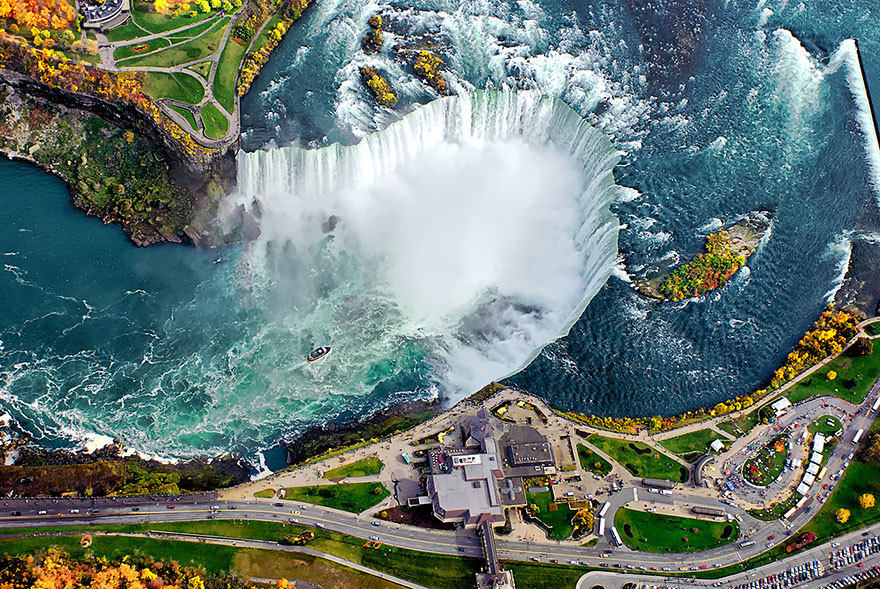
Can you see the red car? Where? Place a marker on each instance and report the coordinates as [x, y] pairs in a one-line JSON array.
[[170, 507]]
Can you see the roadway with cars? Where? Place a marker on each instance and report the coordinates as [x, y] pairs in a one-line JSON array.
[[145, 510]]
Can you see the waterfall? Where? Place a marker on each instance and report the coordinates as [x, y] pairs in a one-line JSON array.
[[455, 244]]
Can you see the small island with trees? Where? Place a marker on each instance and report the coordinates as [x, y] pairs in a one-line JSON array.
[[726, 252]]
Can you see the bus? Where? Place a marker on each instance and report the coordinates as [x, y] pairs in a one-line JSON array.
[[876, 404], [616, 537], [858, 436], [406, 458], [822, 473], [746, 544], [604, 509], [601, 526]]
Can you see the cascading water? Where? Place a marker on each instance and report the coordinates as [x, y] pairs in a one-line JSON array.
[[454, 244]]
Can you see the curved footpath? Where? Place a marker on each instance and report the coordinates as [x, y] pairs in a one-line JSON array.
[[235, 503]]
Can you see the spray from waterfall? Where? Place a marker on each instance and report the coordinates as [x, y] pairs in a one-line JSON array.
[[454, 244]]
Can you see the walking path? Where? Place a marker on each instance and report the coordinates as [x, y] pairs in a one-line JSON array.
[[107, 48]]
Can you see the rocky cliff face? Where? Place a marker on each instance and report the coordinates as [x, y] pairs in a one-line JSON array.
[[119, 164]]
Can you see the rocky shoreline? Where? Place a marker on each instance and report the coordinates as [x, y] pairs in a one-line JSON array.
[[117, 165], [737, 242]]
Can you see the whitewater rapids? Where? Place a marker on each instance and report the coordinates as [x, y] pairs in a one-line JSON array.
[[455, 244]]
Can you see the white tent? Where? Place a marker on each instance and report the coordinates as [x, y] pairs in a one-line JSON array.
[[780, 406], [819, 443], [803, 489], [816, 457], [809, 479], [717, 445], [813, 468]]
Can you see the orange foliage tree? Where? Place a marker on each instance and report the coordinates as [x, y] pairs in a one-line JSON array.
[[44, 14]]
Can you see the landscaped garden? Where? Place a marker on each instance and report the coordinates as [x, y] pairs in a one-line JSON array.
[[654, 532], [692, 445], [354, 497], [640, 459], [765, 467], [216, 124], [847, 377], [592, 462], [361, 468], [556, 516]]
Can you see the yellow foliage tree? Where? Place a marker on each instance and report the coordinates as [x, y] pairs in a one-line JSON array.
[[866, 501], [842, 515]]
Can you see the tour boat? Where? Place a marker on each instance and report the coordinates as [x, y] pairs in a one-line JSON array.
[[319, 353]]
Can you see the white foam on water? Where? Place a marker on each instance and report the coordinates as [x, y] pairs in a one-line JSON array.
[[847, 55], [477, 227]]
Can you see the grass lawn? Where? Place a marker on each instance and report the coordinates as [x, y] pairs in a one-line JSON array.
[[187, 114], [125, 33], [776, 511], [265, 493], [559, 521], [216, 124], [729, 427], [178, 86], [640, 459], [304, 567], [766, 466], [144, 16], [436, 571], [692, 443], [198, 48], [353, 497], [872, 329], [203, 69], [654, 532], [217, 559], [227, 74], [140, 49], [821, 425], [192, 31], [855, 376], [361, 468], [534, 576], [593, 462]]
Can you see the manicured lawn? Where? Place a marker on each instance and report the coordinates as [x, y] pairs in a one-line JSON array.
[[227, 74], [354, 497], [265, 493], [593, 462], [187, 114], [361, 468], [199, 48], [559, 521], [777, 510], [203, 69], [653, 532], [872, 329], [532, 575], [766, 466], [821, 425], [214, 558], [217, 559], [147, 19], [139, 49], [192, 31], [691, 443], [435, 571], [126, 32], [640, 459], [216, 124], [729, 427], [859, 478], [179, 86], [855, 376]]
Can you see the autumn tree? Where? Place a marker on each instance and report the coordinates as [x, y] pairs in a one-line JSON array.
[[866, 500], [842, 515]]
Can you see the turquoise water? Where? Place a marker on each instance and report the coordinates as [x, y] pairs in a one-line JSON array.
[[185, 351]]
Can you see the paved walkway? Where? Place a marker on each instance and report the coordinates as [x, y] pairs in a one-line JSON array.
[[106, 51]]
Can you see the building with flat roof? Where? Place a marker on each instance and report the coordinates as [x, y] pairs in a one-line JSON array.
[[472, 486]]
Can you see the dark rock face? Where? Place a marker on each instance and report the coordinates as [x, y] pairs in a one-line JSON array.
[[671, 32], [199, 178]]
